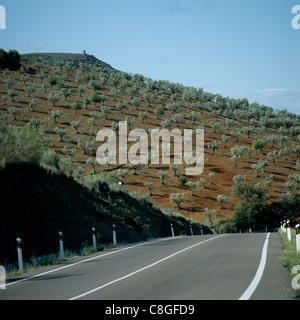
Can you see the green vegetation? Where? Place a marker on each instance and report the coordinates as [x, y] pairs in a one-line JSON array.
[[244, 140], [72, 59], [10, 60], [42, 194], [256, 212], [290, 257], [21, 144]]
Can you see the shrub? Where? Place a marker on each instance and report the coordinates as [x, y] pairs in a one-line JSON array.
[[76, 105], [182, 180], [21, 145], [51, 159], [258, 144]]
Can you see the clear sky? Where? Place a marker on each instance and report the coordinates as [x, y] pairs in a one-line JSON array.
[[238, 48]]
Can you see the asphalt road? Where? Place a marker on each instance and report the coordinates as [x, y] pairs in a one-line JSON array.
[[210, 267]]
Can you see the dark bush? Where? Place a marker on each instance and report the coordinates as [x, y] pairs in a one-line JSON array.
[[10, 60]]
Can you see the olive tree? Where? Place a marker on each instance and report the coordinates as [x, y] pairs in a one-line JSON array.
[[76, 125], [211, 220], [178, 199], [214, 145], [55, 114], [60, 132], [162, 175], [193, 185], [150, 187], [84, 145], [221, 198], [143, 115], [274, 156], [260, 166], [149, 98], [92, 162], [12, 93], [36, 122], [105, 111], [54, 97], [14, 111], [159, 112]]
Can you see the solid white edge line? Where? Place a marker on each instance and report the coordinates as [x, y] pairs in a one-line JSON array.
[[142, 269], [252, 287], [86, 260]]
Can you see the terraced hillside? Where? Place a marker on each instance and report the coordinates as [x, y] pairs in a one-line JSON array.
[[70, 104]]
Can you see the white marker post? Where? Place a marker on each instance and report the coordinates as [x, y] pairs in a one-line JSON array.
[[289, 231], [94, 238], [297, 237], [61, 246], [20, 256], [114, 235], [191, 230], [172, 230], [2, 278]]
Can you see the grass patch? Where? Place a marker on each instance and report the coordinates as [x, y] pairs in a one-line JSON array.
[[291, 257]]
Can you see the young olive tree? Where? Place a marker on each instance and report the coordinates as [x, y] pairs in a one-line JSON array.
[[76, 105], [14, 111], [214, 145], [60, 132], [54, 97], [92, 162], [55, 114], [76, 125], [221, 198], [211, 175], [211, 221], [149, 98], [162, 175], [274, 156], [194, 186], [178, 199], [260, 166], [150, 187], [84, 145]]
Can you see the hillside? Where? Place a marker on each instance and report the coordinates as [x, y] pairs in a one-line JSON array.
[[131, 96], [38, 203]]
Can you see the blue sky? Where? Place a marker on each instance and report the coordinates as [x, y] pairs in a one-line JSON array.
[[238, 48]]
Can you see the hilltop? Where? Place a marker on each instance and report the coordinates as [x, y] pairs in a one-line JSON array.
[[74, 58], [239, 136]]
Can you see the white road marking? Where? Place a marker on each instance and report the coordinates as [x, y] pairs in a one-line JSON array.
[[250, 290], [142, 269], [86, 260]]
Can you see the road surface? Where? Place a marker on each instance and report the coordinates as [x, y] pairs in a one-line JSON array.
[[209, 267]]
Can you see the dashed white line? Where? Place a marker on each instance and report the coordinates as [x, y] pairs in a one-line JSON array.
[[142, 269], [85, 260]]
